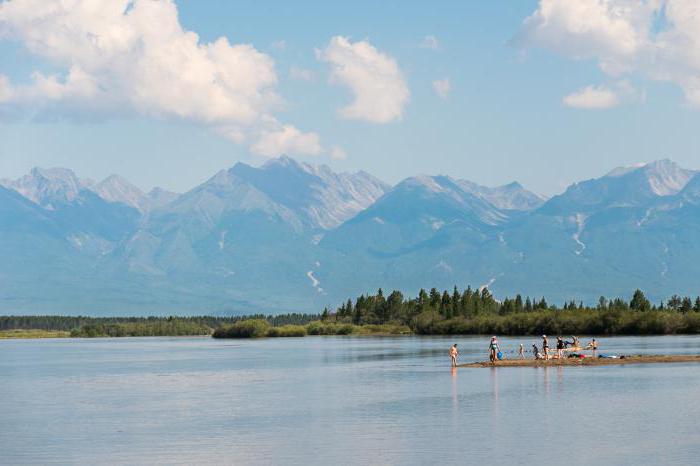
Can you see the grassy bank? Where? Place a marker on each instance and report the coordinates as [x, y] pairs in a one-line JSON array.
[[33, 333]]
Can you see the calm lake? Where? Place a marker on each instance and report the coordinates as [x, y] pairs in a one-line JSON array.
[[339, 400]]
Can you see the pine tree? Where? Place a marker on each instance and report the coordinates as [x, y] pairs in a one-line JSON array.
[[686, 305], [518, 303], [639, 301]]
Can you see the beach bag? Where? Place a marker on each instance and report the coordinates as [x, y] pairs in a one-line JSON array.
[[499, 355]]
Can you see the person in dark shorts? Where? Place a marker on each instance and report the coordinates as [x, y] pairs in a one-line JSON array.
[[560, 347], [545, 347]]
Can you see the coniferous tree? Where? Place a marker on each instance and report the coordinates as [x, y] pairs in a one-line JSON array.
[[639, 302], [686, 305]]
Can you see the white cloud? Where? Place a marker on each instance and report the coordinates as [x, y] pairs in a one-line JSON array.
[[655, 39], [287, 140], [442, 87], [337, 153], [301, 74], [591, 98], [133, 56], [378, 86], [430, 42]]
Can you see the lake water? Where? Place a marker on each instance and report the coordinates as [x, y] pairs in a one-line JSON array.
[[338, 400]]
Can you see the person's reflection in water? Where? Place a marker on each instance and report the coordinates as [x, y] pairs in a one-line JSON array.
[[546, 380], [494, 388], [560, 378], [455, 399]]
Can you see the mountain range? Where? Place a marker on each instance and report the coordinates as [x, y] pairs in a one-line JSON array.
[[289, 236]]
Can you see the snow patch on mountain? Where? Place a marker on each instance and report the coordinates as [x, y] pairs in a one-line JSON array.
[[580, 221]]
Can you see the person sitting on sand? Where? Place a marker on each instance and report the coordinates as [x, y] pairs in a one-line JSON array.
[[521, 351], [454, 354], [536, 351], [545, 347], [493, 350]]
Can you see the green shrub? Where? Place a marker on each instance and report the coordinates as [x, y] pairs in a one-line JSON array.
[[252, 328], [287, 331], [323, 328]]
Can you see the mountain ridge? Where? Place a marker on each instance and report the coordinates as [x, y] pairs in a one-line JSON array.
[[290, 236]]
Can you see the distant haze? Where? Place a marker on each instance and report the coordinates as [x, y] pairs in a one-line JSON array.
[[289, 236]]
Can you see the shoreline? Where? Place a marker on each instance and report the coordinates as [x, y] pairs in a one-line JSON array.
[[591, 361]]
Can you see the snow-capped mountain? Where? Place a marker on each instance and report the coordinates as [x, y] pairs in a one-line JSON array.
[[289, 236], [48, 187], [623, 187], [320, 197]]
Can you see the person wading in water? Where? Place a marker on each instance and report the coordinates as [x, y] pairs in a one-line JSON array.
[[454, 354]]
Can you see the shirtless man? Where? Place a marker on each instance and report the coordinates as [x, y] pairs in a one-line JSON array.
[[521, 351], [454, 354]]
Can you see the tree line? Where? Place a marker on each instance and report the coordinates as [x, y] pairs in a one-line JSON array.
[[468, 311], [84, 326], [476, 311]]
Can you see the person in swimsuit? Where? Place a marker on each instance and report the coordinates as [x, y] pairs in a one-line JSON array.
[[521, 351], [545, 347], [594, 344], [454, 354], [493, 350]]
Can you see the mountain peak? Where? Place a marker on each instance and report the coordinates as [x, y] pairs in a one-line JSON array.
[[115, 188], [322, 198], [284, 161], [666, 177], [49, 186]]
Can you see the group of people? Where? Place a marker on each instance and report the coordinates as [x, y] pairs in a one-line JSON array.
[[495, 350]]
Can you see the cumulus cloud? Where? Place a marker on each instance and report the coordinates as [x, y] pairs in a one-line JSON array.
[[591, 98], [287, 140], [133, 56], [374, 78], [442, 87], [655, 39], [430, 42]]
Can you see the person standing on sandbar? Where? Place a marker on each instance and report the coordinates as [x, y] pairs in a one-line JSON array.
[[545, 346]]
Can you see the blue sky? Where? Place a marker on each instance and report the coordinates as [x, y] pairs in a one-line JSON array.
[[505, 117]]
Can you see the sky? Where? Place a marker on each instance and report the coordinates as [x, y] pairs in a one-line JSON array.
[[167, 93]]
